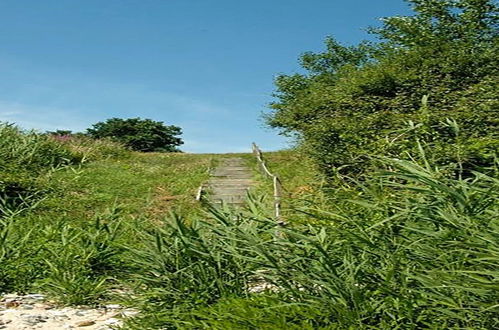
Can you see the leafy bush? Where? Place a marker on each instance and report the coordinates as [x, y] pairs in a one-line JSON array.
[[139, 134], [353, 100]]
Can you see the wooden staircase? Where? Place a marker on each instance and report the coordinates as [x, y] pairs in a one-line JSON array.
[[230, 182]]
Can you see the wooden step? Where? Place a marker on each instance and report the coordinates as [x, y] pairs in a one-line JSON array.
[[230, 182]]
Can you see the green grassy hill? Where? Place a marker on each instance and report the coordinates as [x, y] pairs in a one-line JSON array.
[[89, 222], [65, 220]]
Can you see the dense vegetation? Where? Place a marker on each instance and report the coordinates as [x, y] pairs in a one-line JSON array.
[[67, 206], [392, 200], [399, 229], [27, 158], [409, 247], [416, 250], [364, 100]]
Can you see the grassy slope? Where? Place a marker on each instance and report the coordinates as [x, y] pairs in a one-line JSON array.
[[145, 184], [396, 251], [103, 227], [303, 185], [135, 190]]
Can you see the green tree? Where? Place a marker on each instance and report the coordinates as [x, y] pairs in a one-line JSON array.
[[359, 100], [139, 134]]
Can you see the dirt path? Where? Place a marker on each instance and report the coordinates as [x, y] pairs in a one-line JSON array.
[[230, 182]]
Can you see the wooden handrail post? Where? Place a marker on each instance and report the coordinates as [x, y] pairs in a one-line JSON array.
[[276, 182]]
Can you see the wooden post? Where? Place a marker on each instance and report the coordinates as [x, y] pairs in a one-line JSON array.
[[276, 182]]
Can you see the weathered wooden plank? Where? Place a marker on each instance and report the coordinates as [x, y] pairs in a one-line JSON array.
[[229, 182]]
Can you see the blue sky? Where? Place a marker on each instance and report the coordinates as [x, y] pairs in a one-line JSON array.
[[204, 65]]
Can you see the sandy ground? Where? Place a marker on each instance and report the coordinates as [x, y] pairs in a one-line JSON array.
[[32, 311]]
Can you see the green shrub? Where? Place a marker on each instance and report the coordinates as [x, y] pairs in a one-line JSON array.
[[139, 134], [352, 100]]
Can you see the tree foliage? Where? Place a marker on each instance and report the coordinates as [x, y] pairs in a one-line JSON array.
[[139, 134], [355, 101]]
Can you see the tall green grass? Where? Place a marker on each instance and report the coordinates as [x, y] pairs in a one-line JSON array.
[[31, 150], [25, 156], [410, 246], [56, 251], [82, 262], [89, 149], [72, 262], [27, 159], [66, 235], [417, 249]]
